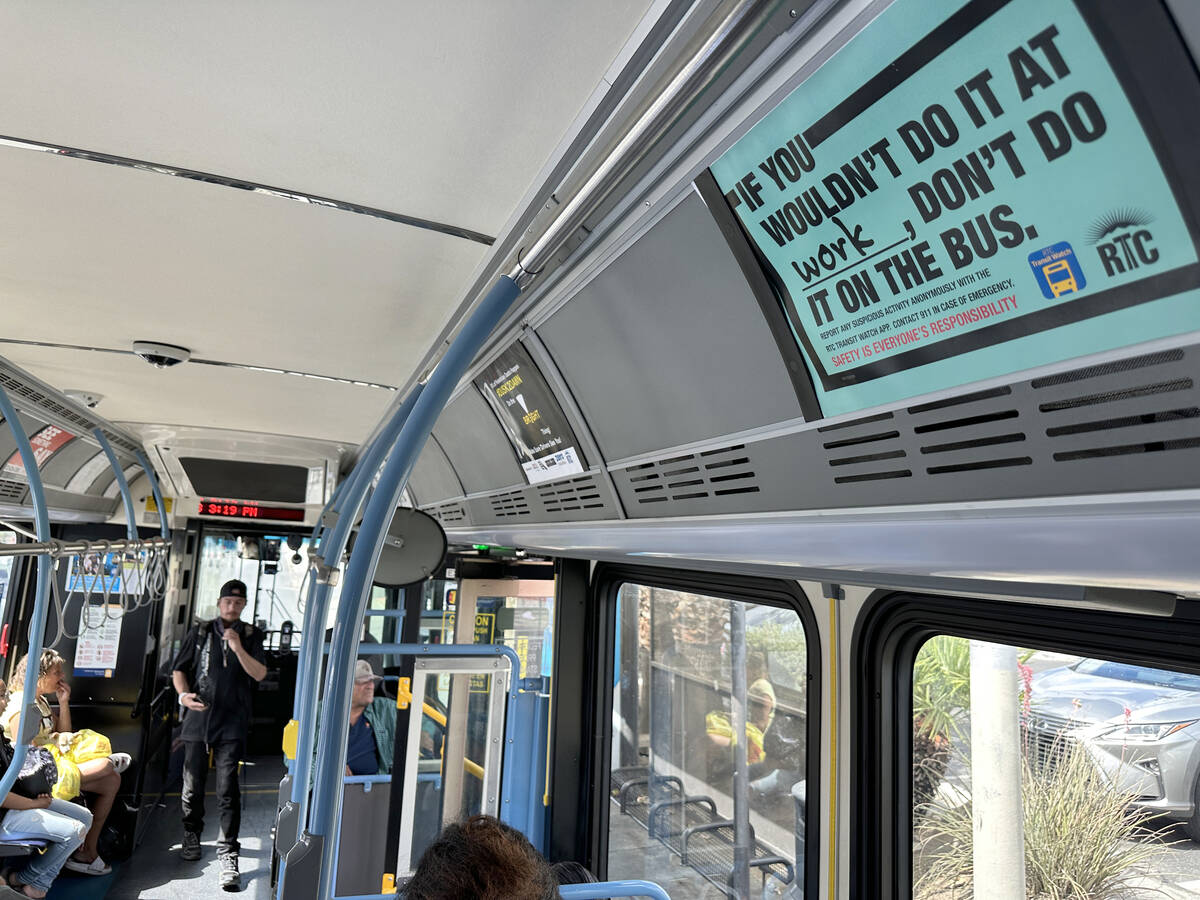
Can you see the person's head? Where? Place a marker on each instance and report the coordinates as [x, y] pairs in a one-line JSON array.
[[481, 859], [364, 685], [50, 673], [760, 703], [232, 601], [571, 872]]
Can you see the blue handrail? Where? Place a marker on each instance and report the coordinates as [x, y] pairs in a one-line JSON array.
[[327, 797], [603, 889], [122, 485], [332, 546], [37, 623], [163, 528]]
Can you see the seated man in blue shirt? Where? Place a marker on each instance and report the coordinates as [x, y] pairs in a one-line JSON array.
[[366, 747]]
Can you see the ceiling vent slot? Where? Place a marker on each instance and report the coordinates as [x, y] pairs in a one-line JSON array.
[[710, 473], [878, 444], [571, 495], [450, 514], [1145, 390], [1145, 420], [972, 451], [11, 490], [1112, 368], [509, 505]]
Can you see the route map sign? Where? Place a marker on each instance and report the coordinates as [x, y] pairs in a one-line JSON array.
[[986, 201], [532, 418]]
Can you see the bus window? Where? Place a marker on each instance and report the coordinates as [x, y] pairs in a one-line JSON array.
[[1097, 758], [6, 565], [273, 579], [679, 731]]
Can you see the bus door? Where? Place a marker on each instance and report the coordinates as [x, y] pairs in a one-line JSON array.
[[453, 750]]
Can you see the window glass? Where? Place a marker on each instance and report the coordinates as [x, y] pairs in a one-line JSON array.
[[270, 570], [709, 711], [6, 565], [1082, 773]]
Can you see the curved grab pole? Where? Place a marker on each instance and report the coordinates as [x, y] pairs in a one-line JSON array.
[[330, 550], [302, 664], [347, 628], [729, 30], [122, 484], [157, 492], [37, 625]]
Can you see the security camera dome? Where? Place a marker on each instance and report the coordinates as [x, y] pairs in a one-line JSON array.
[[161, 356]]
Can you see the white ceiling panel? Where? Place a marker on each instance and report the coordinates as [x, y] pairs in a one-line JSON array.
[[209, 397], [102, 255], [444, 111]]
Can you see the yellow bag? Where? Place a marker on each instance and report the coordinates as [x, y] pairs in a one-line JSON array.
[[87, 745], [68, 785]]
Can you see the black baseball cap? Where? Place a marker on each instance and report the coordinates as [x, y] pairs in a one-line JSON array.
[[233, 588]]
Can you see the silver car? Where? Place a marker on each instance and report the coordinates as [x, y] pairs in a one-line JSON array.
[[1140, 725]]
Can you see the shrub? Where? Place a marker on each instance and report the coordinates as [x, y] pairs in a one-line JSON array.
[[1083, 841]]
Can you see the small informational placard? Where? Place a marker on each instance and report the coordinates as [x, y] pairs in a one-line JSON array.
[[965, 190], [99, 640], [485, 633], [100, 573], [45, 444], [532, 418]]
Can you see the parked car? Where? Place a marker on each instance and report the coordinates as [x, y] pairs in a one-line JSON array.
[[1140, 725]]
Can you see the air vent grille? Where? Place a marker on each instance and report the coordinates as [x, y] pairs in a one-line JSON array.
[[39, 401], [694, 476], [571, 495], [969, 433], [450, 514], [11, 490], [1089, 415], [866, 449], [509, 505]]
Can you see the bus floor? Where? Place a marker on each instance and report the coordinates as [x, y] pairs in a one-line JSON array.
[[155, 872]]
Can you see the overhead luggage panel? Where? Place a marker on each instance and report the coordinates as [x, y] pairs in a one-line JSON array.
[[433, 478], [476, 446], [667, 346]]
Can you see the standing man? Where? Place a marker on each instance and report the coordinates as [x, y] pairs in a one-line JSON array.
[[218, 665]]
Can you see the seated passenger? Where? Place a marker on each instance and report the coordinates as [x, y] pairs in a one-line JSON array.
[[760, 711], [99, 777], [481, 859], [372, 725], [60, 823]]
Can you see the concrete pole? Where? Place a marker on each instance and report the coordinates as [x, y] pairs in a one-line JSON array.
[[999, 836], [743, 844]]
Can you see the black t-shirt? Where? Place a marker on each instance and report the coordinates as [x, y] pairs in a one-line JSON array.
[[214, 672]]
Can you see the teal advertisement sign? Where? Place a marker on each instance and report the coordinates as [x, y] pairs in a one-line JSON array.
[[963, 191]]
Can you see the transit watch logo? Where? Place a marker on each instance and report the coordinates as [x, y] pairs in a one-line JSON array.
[[1057, 270]]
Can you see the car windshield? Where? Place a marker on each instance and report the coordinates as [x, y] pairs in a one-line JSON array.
[[1139, 674]]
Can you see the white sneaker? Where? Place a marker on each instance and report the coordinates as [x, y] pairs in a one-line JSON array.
[[120, 761], [96, 867]]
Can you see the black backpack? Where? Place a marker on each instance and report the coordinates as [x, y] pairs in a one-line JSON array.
[[117, 835]]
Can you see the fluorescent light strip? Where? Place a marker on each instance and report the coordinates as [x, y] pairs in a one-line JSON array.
[[270, 370], [252, 186]]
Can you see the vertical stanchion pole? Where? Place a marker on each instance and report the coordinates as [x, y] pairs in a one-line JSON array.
[[347, 629], [742, 843], [998, 848], [37, 624]]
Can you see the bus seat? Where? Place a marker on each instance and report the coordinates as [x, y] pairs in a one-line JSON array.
[[21, 844]]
